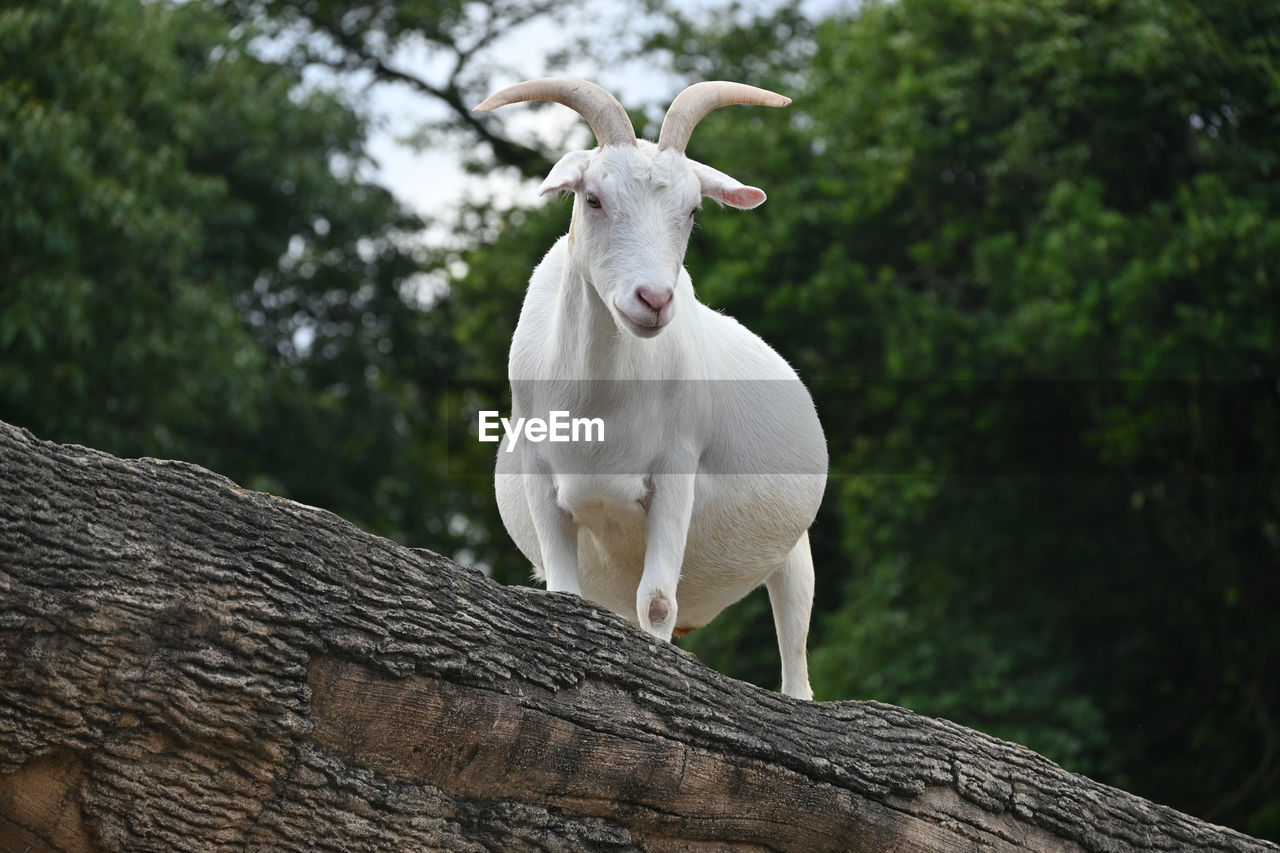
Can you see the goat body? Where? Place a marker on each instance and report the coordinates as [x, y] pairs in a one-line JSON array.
[[714, 462]]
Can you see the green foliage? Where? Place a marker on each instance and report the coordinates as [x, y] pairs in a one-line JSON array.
[[194, 266], [486, 292], [466, 44], [1024, 252], [107, 329]]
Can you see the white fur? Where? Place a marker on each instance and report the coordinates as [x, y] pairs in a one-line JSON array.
[[704, 490]]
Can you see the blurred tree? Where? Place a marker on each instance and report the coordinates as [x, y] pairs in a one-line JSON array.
[[387, 42], [195, 265], [110, 331], [487, 287], [1025, 252]]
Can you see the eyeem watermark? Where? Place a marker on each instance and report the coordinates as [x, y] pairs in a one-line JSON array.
[[594, 423], [558, 426]]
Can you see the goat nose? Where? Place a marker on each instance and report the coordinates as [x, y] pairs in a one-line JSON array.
[[655, 298]]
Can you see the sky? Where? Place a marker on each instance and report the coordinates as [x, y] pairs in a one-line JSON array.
[[431, 181]]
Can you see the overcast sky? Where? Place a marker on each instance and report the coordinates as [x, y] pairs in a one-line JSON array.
[[431, 181]]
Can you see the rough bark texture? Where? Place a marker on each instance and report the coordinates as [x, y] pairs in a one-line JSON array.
[[185, 665]]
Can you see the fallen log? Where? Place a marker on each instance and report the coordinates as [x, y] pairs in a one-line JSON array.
[[187, 665]]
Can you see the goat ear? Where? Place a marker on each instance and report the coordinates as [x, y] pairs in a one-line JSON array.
[[566, 175], [726, 190]]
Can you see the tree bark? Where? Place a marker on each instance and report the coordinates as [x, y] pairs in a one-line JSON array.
[[186, 665]]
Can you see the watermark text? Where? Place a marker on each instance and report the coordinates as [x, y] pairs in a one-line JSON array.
[[558, 426]]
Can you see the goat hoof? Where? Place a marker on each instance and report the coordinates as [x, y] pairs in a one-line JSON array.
[[659, 610], [661, 613]]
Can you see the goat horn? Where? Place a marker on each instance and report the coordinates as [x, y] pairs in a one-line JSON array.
[[608, 118], [696, 102]]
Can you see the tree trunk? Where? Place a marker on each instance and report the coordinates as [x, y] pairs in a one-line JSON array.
[[185, 665]]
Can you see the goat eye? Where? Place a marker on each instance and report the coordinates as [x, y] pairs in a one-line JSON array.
[[593, 201]]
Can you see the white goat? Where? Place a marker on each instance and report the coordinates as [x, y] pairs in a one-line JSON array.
[[710, 477]]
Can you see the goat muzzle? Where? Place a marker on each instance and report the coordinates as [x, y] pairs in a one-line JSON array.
[[655, 298]]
